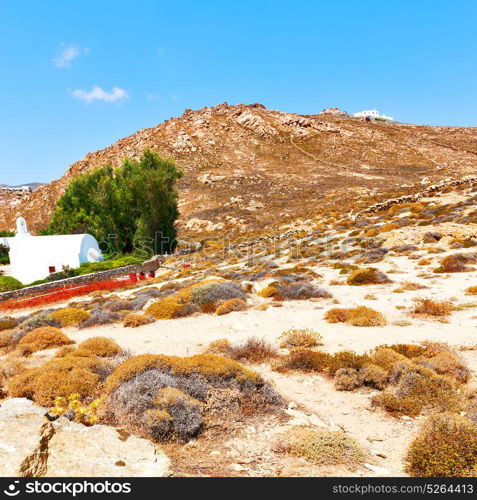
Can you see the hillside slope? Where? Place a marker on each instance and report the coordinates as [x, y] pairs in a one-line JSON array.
[[247, 167]]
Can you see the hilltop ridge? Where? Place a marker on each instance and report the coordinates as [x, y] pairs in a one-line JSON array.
[[245, 164]]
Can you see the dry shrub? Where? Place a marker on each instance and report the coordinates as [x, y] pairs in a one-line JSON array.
[[417, 389], [299, 290], [101, 317], [101, 346], [171, 307], [58, 377], [5, 338], [347, 359], [219, 347], [322, 447], [208, 365], [446, 446], [37, 319], [369, 276], [408, 350], [429, 307], [347, 379], [209, 295], [133, 320], [9, 367], [45, 337], [253, 349], [446, 362], [231, 305], [163, 397], [7, 323], [305, 360], [300, 337], [386, 358], [268, 291], [374, 376], [357, 316], [472, 290], [70, 316], [457, 263], [336, 315]]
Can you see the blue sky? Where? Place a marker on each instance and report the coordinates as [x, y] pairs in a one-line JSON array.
[[77, 76]]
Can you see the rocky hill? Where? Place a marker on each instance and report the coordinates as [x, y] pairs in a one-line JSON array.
[[248, 168]]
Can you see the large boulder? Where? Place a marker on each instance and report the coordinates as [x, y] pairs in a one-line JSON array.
[[31, 446]]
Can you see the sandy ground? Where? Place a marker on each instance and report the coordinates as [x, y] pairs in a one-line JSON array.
[[386, 437]]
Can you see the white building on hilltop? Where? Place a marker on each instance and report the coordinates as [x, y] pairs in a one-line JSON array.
[[373, 114], [34, 258]]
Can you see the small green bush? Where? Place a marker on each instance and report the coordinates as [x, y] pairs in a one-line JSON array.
[[8, 284]]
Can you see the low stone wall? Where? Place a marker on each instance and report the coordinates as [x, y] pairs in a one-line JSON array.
[[414, 197], [150, 265]]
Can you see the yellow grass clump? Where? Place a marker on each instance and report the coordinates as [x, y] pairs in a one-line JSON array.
[[101, 346], [433, 308], [44, 337], [57, 377], [70, 316]]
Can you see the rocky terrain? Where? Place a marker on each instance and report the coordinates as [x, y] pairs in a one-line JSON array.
[[247, 167]]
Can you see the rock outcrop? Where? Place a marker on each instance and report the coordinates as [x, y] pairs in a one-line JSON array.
[[32, 446]]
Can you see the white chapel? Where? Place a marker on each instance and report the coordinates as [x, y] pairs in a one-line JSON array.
[[33, 258]]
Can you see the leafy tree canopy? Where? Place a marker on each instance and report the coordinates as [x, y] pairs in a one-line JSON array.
[[132, 205]]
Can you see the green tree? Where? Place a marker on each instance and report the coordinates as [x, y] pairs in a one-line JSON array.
[[134, 202], [4, 258]]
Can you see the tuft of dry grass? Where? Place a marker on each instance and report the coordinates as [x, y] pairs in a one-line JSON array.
[[300, 337], [322, 447], [429, 307]]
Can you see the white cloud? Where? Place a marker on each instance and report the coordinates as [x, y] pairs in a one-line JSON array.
[[98, 94], [68, 53]]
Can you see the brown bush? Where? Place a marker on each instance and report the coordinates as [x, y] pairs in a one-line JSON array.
[[231, 305], [457, 263], [374, 376], [134, 320], [428, 307], [347, 379], [446, 446], [357, 316], [305, 360], [347, 359], [369, 276], [58, 377], [101, 346], [45, 337], [7, 323]]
